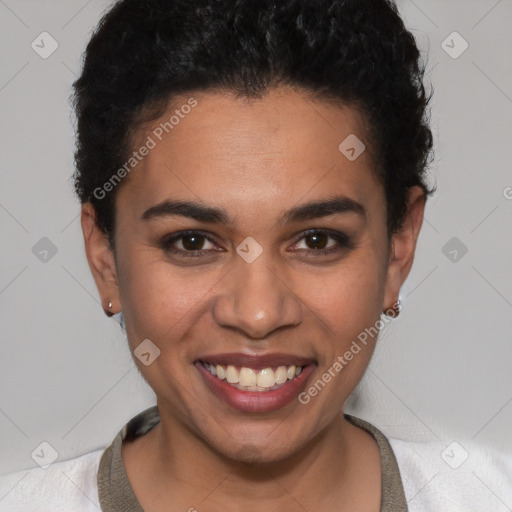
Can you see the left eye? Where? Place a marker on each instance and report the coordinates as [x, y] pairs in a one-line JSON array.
[[318, 242]]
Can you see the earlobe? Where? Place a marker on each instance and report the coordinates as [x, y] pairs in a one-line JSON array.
[[403, 247], [101, 260]]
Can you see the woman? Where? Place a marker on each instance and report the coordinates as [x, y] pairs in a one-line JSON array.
[[252, 179]]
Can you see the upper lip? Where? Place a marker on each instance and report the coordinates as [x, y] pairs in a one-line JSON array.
[[257, 362]]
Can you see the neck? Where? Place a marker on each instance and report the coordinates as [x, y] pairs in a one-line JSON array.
[[332, 465]]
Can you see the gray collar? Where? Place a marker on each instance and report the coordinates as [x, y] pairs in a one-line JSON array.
[[116, 493]]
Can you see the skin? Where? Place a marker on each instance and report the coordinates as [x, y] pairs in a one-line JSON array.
[[254, 159]]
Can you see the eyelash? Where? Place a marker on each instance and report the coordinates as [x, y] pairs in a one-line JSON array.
[[343, 241]]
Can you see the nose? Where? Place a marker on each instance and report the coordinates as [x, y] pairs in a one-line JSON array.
[[256, 300]]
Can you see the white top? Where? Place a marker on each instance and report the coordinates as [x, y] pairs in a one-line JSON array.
[[437, 477]]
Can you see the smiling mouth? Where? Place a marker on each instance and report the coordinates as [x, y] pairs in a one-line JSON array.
[[250, 379]]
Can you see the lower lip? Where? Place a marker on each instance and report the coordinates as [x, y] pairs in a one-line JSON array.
[[256, 401]]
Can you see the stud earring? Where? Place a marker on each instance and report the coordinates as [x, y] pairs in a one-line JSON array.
[[107, 311], [394, 310]]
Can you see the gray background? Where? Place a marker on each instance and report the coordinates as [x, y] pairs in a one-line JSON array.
[[441, 371]]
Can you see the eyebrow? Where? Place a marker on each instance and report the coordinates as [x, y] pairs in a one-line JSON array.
[[210, 214]]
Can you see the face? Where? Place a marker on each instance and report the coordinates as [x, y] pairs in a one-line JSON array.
[[249, 248]]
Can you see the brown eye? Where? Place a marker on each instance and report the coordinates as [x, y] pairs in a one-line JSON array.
[[188, 244], [193, 242], [317, 240], [322, 242]]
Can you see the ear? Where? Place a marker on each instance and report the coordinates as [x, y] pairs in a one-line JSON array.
[[101, 260], [403, 246]]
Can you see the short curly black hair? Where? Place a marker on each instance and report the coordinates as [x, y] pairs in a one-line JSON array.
[[356, 52]]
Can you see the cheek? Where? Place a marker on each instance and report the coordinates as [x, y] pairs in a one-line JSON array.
[[350, 296], [348, 305], [158, 300]]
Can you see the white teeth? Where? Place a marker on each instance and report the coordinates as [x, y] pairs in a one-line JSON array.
[[248, 379], [232, 375], [266, 378], [281, 375]]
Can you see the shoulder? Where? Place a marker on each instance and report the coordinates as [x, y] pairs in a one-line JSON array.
[[63, 486], [453, 476]]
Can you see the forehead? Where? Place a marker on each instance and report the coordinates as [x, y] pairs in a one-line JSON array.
[[252, 153]]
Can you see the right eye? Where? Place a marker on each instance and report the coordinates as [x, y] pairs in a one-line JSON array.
[[187, 244]]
